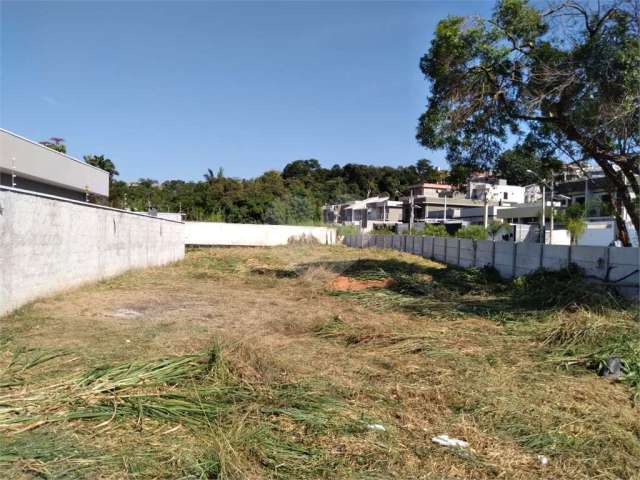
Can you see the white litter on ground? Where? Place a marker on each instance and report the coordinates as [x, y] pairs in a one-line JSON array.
[[377, 426], [544, 460], [126, 313], [447, 441]]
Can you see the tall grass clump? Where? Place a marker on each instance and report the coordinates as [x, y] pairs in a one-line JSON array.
[[567, 288], [589, 340]]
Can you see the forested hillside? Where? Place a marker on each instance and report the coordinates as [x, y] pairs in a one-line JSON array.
[[293, 196]]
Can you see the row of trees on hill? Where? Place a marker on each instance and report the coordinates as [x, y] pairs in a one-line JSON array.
[[293, 196]]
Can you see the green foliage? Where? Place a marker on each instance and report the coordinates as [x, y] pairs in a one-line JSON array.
[[344, 230], [474, 232], [103, 163], [433, 230], [532, 154], [293, 196], [55, 143], [494, 228], [570, 86], [384, 230], [573, 218]]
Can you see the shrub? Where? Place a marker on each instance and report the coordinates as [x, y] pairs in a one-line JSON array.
[[433, 230], [385, 230], [344, 230], [474, 232]]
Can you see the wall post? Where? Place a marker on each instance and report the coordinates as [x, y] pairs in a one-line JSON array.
[[445, 249], [493, 254]]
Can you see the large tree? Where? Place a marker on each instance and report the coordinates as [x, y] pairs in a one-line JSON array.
[[570, 73], [531, 155]]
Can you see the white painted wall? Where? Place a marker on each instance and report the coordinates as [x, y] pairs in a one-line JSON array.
[[49, 244], [242, 234]]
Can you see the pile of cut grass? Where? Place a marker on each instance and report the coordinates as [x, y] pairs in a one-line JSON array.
[[588, 339], [279, 427]]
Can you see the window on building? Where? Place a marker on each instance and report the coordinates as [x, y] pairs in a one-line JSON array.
[[506, 195]]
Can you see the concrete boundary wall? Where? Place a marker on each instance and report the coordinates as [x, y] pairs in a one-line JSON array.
[[49, 244], [615, 266], [250, 235]]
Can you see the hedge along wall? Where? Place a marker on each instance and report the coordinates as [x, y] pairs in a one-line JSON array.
[[612, 265]]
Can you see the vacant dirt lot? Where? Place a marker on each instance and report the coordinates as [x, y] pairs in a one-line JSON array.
[[251, 363]]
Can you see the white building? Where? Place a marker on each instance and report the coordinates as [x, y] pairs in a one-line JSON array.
[[496, 192]]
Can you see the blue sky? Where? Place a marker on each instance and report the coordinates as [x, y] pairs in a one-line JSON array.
[[169, 89]]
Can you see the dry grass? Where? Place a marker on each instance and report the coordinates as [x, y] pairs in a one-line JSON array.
[[239, 363]]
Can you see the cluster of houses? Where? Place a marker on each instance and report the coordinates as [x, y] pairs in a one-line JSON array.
[[489, 199]]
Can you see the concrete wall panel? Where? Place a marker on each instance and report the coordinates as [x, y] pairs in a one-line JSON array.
[[484, 253], [427, 248], [48, 245], [623, 263], [438, 248], [555, 257], [592, 260], [528, 258], [452, 251], [504, 258], [417, 245], [466, 252]]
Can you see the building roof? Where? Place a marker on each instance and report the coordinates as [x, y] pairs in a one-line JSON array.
[[28, 159], [450, 201], [362, 204], [441, 186]]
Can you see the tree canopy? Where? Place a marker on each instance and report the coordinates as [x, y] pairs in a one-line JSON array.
[[293, 196], [569, 76], [103, 163]]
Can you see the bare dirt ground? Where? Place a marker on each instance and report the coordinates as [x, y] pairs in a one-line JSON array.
[[256, 363]]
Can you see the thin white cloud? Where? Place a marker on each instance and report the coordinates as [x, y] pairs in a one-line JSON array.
[[49, 100]]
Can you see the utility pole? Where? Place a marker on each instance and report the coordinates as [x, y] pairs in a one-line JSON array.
[[444, 218], [586, 190], [552, 210], [411, 201], [486, 211], [544, 215]]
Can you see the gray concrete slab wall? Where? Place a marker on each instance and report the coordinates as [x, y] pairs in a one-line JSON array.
[[555, 257], [49, 244], [504, 258], [484, 253], [591, 259], [427, 249], [452, 250], [439, 248], [615, 266], [467, 253], [529, 258]]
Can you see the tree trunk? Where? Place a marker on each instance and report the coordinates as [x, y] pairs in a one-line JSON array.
[[623, 234]]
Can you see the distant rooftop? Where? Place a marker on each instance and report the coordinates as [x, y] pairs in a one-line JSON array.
[[40, 165]]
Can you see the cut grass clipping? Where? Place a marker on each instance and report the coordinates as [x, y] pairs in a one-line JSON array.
[[198, 392]]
